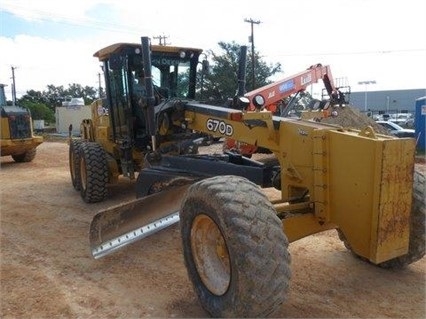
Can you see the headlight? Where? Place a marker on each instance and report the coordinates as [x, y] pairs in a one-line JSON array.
[[240, 102], [258, 101]]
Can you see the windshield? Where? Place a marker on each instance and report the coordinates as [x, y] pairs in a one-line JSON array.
[[171, 80], [170, 75]]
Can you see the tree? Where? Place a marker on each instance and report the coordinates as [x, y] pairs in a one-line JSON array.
[[39, 111], [89, 94], [32, 97], [55, 95], [221, 82], [42, 104]]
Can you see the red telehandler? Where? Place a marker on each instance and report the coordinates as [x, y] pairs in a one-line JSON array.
[[288, 97]]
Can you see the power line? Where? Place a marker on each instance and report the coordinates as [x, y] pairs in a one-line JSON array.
[[352, 53]]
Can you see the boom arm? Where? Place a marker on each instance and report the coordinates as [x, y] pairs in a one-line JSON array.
[[273, 93], [270, 96]]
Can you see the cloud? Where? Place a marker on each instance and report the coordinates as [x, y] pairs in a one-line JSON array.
[[39, 62], [360, 39], [49, 9]]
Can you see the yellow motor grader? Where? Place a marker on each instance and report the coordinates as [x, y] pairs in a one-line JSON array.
[[17, 137], [235, 239]]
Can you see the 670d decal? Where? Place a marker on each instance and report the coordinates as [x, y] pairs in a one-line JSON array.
[[219, 126]]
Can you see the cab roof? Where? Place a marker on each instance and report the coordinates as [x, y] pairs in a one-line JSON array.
[[105, 53]]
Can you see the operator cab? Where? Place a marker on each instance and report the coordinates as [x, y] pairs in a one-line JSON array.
[[173, 71]]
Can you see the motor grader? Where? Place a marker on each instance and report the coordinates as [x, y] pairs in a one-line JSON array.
[[235, 239], [17, 137]]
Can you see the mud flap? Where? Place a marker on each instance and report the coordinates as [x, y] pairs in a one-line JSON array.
[[118, 226]]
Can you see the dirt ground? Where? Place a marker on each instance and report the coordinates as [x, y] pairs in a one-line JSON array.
[[47, 270]]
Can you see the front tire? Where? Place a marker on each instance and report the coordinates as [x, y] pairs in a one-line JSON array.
[[235, 250], [93, 172], [28, 156]]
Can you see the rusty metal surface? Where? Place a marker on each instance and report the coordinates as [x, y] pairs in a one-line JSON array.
[[119, 220]]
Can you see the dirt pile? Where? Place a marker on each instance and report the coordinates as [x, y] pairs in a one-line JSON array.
[[350, 117]]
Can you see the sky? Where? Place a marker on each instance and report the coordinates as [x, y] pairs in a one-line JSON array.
[[52, 42]]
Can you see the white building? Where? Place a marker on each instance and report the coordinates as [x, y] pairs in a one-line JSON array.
[[71, 113]]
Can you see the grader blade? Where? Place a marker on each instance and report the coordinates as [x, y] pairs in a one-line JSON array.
[[118, 226]]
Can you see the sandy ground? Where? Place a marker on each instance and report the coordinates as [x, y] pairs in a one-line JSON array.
[[47, 270]]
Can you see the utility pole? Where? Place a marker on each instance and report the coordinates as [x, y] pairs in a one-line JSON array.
[[161, 38], [251, 39], [13, 86]]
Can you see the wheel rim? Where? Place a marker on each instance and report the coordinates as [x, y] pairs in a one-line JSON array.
[[211, 255]]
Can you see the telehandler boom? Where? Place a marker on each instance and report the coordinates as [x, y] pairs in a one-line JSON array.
[[288, 96], [235, 239]]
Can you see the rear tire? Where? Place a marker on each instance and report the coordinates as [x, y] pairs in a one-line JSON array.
[[28, 156], [416, 248], [234, 248], [74, 162], [93, 172]]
